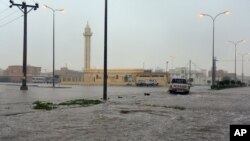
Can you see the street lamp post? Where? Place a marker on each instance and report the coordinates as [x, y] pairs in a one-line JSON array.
[[53, 10], [242, 74], [166, 66], [235, 45], [213, 61]]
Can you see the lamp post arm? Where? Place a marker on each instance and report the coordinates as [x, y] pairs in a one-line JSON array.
[[234, 43], [46, 6], [220, 14], [240, 41], [207, 16]]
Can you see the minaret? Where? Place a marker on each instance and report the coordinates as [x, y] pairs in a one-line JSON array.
[[87, 54]]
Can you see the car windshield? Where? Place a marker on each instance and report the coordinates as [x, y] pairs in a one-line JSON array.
[[182, 81]]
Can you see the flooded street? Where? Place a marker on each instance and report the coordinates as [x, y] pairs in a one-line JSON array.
[[203, 115]]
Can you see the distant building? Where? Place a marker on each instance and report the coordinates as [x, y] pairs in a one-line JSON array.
[[198, 77], [115, 76], [219, 75], [3, 78], [125, 76], [180, 72], [223, 75], [161, 77], [1, 72], [68, 76], [15, 72]]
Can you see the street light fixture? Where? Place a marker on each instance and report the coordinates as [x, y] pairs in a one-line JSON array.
[[235, 45], [213, 59], [53, 10], [242, 74]]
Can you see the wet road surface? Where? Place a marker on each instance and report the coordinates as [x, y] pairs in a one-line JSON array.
[[203, 115]]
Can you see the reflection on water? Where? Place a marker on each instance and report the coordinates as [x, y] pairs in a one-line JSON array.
[[207, 114], [12, 94]]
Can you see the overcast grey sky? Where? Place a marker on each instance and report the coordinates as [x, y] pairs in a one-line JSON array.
[[139, 31]]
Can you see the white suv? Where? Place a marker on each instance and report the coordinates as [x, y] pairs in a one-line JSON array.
[[179, 85]]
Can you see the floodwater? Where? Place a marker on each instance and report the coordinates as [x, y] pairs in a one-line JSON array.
[[203, 115]]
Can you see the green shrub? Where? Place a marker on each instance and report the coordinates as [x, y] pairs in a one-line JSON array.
[[81, 102], [44, 105], [50, 106]]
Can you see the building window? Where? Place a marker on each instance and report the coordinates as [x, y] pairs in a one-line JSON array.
[[117, 77], [126, 78]]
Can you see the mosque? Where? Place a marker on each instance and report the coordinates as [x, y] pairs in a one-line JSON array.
[[121, 77]]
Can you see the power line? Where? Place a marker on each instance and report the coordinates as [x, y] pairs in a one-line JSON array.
[[197, 66], [10, 21], [8, 15], [1, 12], [221, 60]]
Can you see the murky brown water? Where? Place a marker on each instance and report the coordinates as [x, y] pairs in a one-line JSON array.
[[127, 115]]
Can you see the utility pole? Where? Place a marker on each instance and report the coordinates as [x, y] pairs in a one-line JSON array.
[[24, 8], [105, 78], [167, 73], [189, 70], [215, 59], [242, 74], [166, 66]]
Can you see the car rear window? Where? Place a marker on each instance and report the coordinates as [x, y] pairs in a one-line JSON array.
[[182, 81]]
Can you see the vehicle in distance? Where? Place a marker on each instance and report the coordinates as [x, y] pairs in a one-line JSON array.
[[38, 79], [147, 83], [140, 83], [179, 85], [45, 79], [151, 83]]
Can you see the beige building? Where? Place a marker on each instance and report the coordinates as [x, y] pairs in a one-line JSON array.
[[161, 77], [15, 73], [68, 76], [123, 77], [115, 76], [118, 77]]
